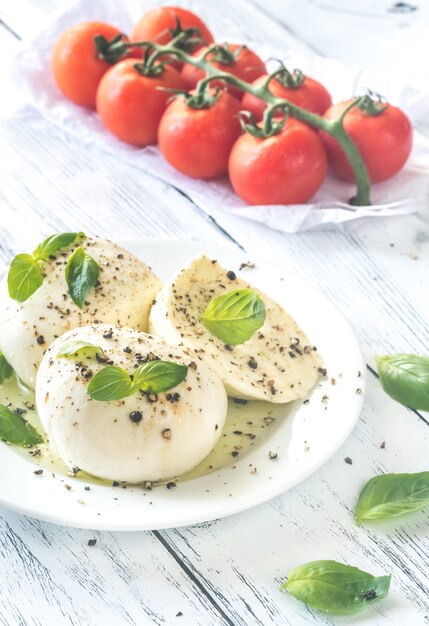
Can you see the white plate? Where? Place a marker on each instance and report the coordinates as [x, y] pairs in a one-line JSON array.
[[306, 438]]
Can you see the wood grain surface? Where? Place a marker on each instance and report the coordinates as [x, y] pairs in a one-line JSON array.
[[228, 571]]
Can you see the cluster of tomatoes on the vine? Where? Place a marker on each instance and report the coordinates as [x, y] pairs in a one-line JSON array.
[[135, 103]]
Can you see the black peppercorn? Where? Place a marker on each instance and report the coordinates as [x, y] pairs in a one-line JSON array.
[[252, 363], [136, 417]]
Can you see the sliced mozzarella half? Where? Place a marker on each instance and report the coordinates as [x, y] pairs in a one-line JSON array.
[[278, 363], [141, 437], [122, 296]]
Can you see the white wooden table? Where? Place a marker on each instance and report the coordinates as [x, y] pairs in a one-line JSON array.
[[228, 571]]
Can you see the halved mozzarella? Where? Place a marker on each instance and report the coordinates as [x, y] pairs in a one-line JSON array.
[[278, 363], [142, 437], [123, 296]]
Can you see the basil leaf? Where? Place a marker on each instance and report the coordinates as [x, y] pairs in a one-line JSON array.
[[158, 376], [54, 243], [75, 348], [233, 317], [81, 275], [392, 495], [111, 383], [15, 429], [335, 588], [405, 378], [24, 277], [5, 369], [114, 383]]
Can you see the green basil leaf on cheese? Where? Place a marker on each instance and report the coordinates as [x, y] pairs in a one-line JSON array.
[[78, 348], [234, 316], [82, 273], [158, 376], [114, 383], [24, 277], [54, 243], [111, 383]]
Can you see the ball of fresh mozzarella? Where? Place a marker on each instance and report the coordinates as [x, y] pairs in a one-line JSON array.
[[141, 437], [278, 363], [123, 296]]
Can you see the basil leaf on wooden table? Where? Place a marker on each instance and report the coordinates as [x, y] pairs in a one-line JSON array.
[[392, 495], [75, 348], [24, 277], [54, 243], [114, 383], [405, 378], [335, 587], [233, 317], [14, 429], [111, 383], [82, 273], [158, 376], [6, 370]]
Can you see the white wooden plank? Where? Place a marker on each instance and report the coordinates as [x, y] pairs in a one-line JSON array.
[[8, 41], [377, 35], [25, 18], [50, 576]]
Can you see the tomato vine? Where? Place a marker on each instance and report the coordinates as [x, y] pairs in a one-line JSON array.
[[156, 55]]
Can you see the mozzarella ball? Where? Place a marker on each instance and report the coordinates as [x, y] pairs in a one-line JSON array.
[[123, 296], [278, 363], [141, 437]]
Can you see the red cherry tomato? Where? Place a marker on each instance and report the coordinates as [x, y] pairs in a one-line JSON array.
[[131, 105], [197, 142], [160, 24], [76, 67], [287, 168], [310, 95], [246, 65], [384, 141]]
